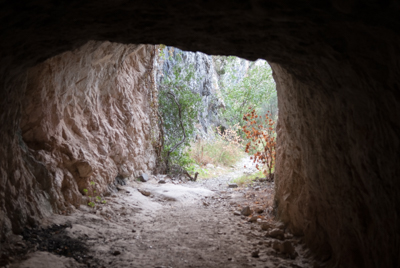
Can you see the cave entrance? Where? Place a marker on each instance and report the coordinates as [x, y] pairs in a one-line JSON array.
[[97, 128]]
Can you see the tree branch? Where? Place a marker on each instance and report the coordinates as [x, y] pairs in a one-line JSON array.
[[181, 124]]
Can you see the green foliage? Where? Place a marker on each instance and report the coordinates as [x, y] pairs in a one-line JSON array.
[[203, 172], [176, 85], [248, 179], [256, 90], [92, 201]]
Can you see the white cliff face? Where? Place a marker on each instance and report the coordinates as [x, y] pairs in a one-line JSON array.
[[87, 116], [230, 71], [209, 79]]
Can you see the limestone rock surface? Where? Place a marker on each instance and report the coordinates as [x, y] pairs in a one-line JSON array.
[[86, 117]]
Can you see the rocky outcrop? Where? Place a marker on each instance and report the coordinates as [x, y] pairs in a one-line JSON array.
[[204, 83], [210, 78], [230, 71], [86, 117]]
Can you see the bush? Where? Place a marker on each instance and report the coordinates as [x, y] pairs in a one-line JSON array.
[[178, 111], [256, 89], [261, 137]]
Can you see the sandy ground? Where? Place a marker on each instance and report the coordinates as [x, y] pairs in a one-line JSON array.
[[175, 225]]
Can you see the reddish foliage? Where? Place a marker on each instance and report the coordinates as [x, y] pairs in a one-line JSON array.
[[261, 137]]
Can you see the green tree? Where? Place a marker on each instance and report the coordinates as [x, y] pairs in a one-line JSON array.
[[178, 108], [256, 90]]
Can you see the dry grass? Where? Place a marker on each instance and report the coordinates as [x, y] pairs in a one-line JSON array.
[[224, 150]]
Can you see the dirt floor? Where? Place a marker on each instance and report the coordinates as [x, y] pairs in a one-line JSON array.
[[152, 224]]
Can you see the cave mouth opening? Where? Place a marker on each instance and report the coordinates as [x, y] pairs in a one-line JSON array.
[[77, 107], [88, 119], [235, 103]]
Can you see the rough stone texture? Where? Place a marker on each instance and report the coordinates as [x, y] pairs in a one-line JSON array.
[[336, 162], [204, 83], [85, 116], [336, 63]]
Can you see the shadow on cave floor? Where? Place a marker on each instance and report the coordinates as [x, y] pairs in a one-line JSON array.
[[193, 224]]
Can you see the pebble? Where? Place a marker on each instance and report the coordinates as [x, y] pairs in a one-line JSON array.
[[265, 226], [276, 233], [143, 177], [232, 185], [161, 181], [144, 192], [236, 213], [246, 211], [253, 219]]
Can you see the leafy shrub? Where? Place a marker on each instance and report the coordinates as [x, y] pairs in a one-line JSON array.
[[261, 137], [256, 89], [178, 108]]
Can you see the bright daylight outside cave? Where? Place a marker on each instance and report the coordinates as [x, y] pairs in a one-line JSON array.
[[200, 133]]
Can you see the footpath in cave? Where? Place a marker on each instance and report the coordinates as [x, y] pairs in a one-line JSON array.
[[168, 223]]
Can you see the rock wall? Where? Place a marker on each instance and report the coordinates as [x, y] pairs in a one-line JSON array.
[[239, 68], [209, 79], [334, 169], [204, 83], [86, 117]]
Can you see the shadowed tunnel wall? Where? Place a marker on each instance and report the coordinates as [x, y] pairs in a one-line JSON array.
[[336, 64]]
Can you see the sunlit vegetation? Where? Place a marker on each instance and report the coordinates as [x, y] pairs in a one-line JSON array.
[[242, 132], [224, 150], [248, 179], [261, 137]]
